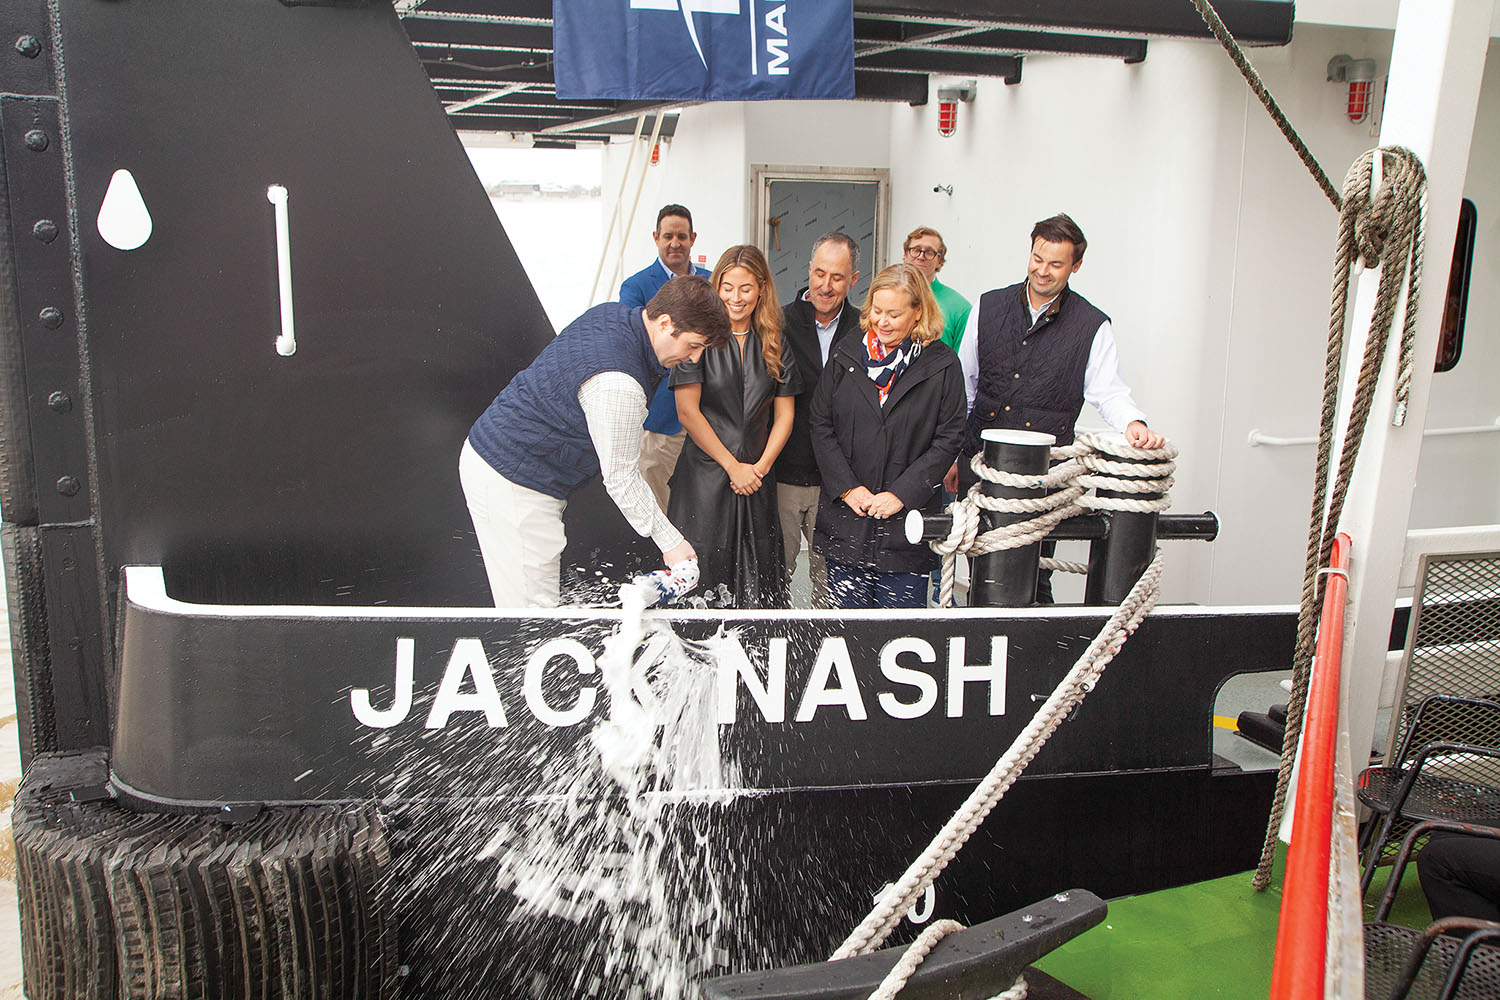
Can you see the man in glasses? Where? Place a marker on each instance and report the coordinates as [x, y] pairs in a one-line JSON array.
[[926, 251]]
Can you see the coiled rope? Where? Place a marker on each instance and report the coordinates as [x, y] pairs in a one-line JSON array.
[[1386, 232], [1382, 229], [1081, 460], [1093, 461]]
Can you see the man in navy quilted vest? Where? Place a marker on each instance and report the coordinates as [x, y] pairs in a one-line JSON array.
[[574, 413], [1034, 352]]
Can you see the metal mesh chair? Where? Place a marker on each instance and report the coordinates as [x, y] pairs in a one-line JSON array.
[[1453, 959], [1442, 772], [1453, 642], [1452, 648]]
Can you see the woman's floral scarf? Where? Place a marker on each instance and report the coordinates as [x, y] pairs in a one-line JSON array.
[[885, 364]]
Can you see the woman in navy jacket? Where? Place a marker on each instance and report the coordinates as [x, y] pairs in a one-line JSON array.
[[887, 421]]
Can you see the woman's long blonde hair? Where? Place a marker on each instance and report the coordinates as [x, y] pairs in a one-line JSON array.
[[767, 316], [906, 278]]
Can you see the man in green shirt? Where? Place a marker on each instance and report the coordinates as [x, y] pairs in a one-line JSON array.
[[925, 249]]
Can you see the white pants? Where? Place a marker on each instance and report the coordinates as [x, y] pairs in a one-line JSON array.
[[520, 534]]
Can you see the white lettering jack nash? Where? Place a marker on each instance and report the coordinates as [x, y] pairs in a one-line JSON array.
[[907, 687]]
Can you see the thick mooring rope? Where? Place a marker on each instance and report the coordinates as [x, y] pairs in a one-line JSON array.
[[916, 954], [1095, 461], [1383, 231], [899, 897], [1242, 62]]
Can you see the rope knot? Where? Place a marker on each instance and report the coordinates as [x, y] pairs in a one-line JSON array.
[[1381, 217], [1370, 235]]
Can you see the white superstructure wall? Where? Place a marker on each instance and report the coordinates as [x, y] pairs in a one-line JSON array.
[[1209, 246]]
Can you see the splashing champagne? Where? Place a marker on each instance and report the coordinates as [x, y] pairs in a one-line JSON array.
[[619, 840]]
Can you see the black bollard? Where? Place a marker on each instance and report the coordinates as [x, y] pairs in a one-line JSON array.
[[1117, 561], [1007, 578]]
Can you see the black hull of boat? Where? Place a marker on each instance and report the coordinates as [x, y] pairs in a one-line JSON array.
[[417, 914], [248, 791]]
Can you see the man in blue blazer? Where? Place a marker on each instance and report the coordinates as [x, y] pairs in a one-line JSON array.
[[662, 434]]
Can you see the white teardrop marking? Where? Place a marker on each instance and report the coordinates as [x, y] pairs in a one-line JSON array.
[[124, 222]]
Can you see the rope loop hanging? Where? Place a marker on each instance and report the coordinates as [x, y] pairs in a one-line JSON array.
[[1381, 228]]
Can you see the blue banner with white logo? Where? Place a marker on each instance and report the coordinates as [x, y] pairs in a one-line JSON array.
[[704, 50]]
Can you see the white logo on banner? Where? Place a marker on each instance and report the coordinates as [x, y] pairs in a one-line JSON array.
[[689, 8]]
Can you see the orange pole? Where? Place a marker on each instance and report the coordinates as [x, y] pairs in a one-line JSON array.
[[1302, 934]]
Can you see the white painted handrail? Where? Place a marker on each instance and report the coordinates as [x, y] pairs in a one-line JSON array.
[[1259, 439], [286, 342]]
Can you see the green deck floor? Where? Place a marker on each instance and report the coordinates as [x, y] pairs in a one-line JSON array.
[[1210, 939]]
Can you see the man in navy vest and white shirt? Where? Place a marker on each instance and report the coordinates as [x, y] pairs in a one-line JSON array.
[[1034, 352], [574, 413]]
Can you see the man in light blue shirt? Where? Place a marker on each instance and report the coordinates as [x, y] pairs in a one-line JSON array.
[[662, 434]]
